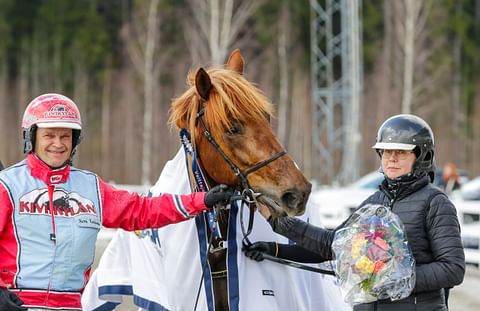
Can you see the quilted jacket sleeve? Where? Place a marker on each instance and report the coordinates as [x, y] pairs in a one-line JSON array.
[[312, 238], [448, 267]]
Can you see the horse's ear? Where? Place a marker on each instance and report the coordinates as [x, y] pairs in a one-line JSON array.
[[235, 62], [203, 84]]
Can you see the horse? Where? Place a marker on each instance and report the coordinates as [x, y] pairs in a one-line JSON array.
[[240, 150], [227, 124]]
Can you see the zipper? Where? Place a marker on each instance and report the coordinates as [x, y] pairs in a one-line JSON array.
[[53, 235], [53, 238]]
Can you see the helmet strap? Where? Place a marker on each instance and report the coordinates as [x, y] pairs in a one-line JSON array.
[[29, 139]]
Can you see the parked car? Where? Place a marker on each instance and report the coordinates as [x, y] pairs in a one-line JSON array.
[[332, 205], [469, 217], [467, 202], [471, 241]]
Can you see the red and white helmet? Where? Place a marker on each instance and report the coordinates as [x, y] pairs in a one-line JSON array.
[[52, 110]]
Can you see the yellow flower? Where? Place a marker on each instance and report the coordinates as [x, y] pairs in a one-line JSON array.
[[365, 265], [357, 247]]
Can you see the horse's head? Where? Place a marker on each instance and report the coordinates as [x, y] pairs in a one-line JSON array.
[[237, 115]]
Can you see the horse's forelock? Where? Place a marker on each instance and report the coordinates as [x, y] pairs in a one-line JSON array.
[[232, 98]]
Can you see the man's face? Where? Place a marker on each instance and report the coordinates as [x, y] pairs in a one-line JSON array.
[[53, 145]]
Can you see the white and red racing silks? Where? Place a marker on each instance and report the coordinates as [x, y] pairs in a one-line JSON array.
[[46, 250]]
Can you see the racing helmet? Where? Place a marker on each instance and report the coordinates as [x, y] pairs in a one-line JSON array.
[[50, 111], [408, 132]]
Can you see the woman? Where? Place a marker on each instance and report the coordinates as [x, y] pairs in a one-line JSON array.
[[405, 144]]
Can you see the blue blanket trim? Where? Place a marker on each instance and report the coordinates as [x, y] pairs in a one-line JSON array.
[[232, 249], [127, 290], [203, 245], [109, 306]]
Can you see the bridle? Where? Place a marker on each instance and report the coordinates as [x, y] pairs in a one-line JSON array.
[[241, 175], [248, 196]]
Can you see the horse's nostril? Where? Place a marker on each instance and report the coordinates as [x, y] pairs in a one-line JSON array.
[[292, 199]]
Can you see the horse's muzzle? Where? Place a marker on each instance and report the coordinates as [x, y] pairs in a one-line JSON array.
[[295, 200]]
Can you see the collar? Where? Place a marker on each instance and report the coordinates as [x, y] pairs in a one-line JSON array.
[[42, 171], [404, 185]]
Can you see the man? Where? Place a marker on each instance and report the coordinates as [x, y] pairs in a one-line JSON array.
[[51, 212], [405, 145]]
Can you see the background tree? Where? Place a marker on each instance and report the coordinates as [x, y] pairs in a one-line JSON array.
[[121, 74]]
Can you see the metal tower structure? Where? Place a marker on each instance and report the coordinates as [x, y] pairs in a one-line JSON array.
[[336, 81]]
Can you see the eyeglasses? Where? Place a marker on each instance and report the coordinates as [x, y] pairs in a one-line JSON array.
[[399, 154]]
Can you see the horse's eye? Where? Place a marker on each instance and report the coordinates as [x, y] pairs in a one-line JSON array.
[[235, 129]]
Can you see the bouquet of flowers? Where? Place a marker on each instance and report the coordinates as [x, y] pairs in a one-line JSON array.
[[373, 260]]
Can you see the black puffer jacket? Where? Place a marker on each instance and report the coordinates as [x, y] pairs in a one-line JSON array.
[[433, 233]]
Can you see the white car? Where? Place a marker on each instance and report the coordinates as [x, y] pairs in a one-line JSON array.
[[467, 202], [471, 242], [333, 205]]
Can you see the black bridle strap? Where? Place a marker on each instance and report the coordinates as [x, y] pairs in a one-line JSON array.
[[247, 191], [212, 141], [263, 163], [242, 175]]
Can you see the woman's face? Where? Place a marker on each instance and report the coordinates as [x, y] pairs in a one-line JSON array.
[[396, 163]]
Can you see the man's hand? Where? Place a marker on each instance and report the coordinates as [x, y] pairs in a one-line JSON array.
[[9, 301], [258, 249], [220, 194]]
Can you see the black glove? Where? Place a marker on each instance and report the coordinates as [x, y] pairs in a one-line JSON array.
[[9, 301], [218, 194], [258, 249]]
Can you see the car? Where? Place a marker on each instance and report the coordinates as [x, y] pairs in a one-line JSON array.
[[471, 241], [332, 205], [467, 203], [470, 191], [470, 231]]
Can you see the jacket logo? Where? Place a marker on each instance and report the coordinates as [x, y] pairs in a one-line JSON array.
[[268, 292], [54, 179], [64, 204]]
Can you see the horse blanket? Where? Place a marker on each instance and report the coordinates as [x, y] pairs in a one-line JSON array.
[[162, 268]]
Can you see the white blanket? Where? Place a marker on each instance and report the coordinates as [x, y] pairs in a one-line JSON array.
[[162, 270]]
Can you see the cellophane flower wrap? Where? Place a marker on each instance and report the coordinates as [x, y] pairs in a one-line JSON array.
[[373, 260]]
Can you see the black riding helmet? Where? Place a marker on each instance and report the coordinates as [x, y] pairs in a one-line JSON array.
[[409, 132]]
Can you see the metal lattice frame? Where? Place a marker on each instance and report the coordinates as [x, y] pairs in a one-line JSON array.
[[336, 87]]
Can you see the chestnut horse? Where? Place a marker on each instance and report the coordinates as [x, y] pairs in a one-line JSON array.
[[228, 119]]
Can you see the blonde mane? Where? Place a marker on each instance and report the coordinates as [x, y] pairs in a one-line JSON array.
[[232, 97]]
